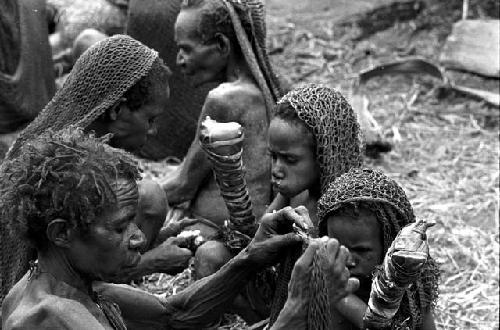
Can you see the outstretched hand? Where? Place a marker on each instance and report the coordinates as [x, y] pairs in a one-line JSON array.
[[275, 233]]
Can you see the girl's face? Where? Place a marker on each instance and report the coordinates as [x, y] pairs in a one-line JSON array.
[[294, 167], [362, 235]]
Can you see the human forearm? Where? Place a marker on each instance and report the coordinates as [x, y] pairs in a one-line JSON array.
[[353, 309], [184, 183], [205, 300], [291, 316]]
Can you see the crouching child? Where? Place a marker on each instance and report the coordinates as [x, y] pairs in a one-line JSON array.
[[365, 210]]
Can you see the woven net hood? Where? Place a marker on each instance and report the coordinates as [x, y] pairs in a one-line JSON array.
[[334, 126], [383, 196], [253, 46], [99, 78]]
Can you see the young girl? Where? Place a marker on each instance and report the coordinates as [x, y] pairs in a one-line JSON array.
[[365, 210], [313, 138]]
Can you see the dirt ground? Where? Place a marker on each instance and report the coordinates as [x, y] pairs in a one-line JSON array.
[[445, 146]]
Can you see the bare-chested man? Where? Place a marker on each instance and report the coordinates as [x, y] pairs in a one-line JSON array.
[[217, 40]]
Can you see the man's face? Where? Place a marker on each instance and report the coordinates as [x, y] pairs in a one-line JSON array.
[[362, 235], [132, 127], [199, 60], [113, 241], [294, 166]]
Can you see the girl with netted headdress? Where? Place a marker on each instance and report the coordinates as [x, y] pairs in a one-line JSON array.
[[313, 138], [365, 210], [117, 86]]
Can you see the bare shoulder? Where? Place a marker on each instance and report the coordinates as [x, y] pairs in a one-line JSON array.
[[228, 100], [52, 313]]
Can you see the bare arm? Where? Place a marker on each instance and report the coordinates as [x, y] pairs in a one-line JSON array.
[[278, 203], [183, 184]]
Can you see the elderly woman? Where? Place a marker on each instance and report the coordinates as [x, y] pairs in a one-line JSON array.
[[74, 199], [118, 86]]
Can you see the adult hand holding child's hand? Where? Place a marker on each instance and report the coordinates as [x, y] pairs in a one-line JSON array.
[[276, 232]]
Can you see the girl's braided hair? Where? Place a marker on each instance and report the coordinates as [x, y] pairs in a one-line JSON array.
[[64, 174]]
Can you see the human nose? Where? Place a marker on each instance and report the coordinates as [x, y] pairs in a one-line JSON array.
[[352, 261], [153, 130], [277, 170], [180, 61], [137, 239]]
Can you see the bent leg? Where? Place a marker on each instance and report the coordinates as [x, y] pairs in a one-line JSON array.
[[209, 258]]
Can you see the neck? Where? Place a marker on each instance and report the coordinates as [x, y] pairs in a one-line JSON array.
[[55, 262], [237, 69]]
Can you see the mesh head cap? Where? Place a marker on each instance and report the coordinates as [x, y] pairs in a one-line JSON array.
[[383, 196], [334, 126], [99, 78]]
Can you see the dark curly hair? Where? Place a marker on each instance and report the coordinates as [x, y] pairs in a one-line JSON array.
[[215, 18], [141, 92], [66, 175]]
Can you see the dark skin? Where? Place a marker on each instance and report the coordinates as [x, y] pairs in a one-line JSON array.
[[272, 237], [113, 238], [162, 251], [218, 62], [362, 235], [131, 127], [295, 173]]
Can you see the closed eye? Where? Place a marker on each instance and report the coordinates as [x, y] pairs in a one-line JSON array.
[[361, 249]]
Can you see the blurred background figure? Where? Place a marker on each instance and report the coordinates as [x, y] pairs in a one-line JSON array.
[[26, 71]]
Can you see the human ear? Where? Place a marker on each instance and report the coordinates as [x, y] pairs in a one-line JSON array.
[[223, 44], [60, 232]]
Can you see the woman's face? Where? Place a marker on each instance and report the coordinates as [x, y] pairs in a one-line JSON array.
[[294, 167], [113, 241], [132, 127]]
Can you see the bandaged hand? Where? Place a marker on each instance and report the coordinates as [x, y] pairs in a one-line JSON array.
[[408, 253], [275, 233]]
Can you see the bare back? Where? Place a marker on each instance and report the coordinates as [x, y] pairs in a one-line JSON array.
[[239, 101]]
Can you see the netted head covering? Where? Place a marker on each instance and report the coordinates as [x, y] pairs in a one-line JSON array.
[[252, 41], [334, 126], [97, 81], [373, 190]]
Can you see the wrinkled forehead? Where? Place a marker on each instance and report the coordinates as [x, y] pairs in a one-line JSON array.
[[127, 193]]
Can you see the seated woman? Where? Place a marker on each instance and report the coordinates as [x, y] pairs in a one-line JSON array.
[[75, 198], [117, 86], [364, 210]]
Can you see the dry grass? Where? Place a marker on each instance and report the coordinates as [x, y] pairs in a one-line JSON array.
[[445, 151]]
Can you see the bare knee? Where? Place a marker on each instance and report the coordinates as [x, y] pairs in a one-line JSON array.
[[209, 258], [152, 210]]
